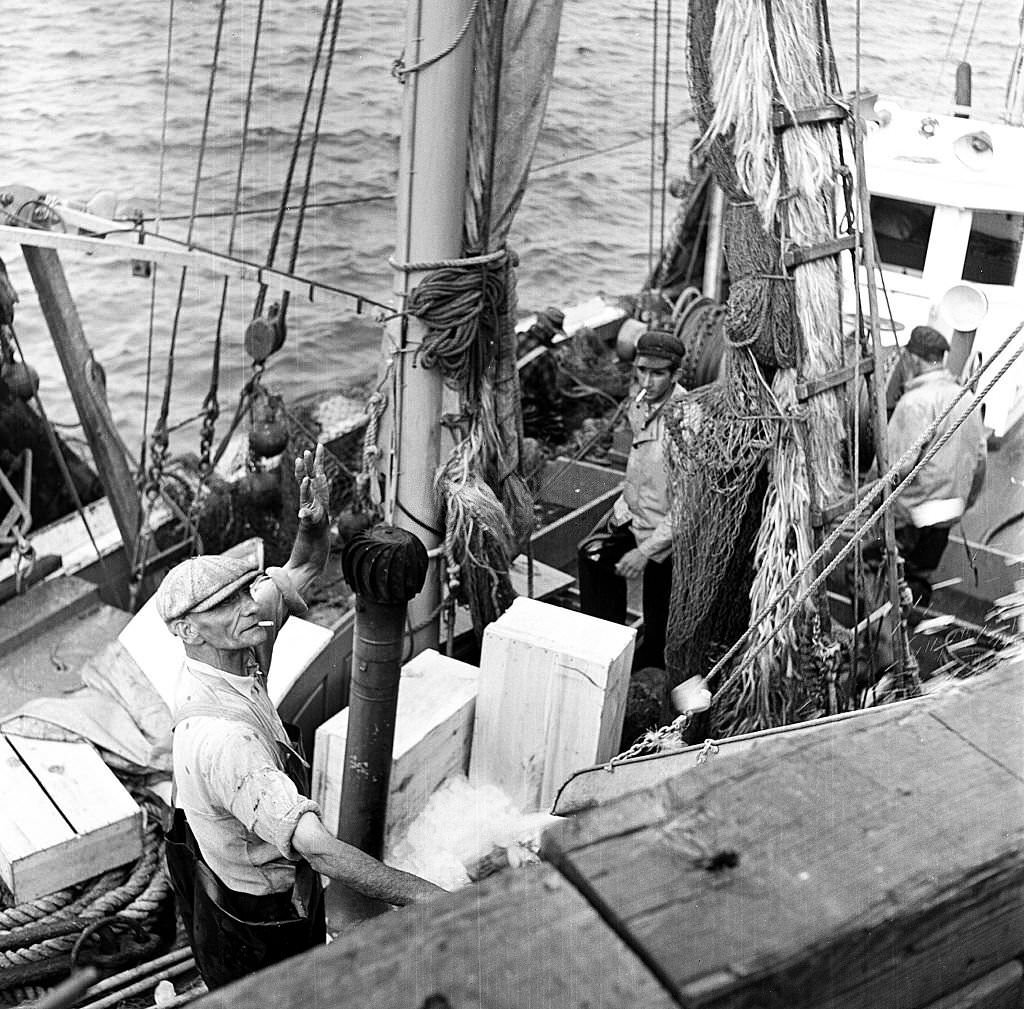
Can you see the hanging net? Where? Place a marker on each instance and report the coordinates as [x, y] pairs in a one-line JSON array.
[[718, 442]]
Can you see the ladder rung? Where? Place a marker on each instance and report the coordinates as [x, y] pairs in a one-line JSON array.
[[782, 118], [828, 514], [797, 256], [805, 390]]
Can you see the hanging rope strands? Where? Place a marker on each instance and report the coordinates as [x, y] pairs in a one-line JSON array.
[[751, 66], [479, 541]]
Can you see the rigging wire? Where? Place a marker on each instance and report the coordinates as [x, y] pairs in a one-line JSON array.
[[653, 129], [253, 211], [166, 403], [62, 465], [308, 182], [664, 119], [159, 207], [949, 47], [294, 159], [970, 34]]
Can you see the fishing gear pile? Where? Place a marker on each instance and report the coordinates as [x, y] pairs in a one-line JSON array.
[[749, 64]]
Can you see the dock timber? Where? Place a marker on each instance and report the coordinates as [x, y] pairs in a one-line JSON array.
[[881, 863]]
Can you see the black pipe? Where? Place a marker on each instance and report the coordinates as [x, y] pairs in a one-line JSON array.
[[385, 567]]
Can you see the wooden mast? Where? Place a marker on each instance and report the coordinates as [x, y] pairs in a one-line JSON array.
[[85, 380], [431, 194]]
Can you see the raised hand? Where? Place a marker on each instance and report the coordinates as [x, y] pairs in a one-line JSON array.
[[314, 485]]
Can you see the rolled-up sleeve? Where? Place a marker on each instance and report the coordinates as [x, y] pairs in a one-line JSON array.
[[245, 778]]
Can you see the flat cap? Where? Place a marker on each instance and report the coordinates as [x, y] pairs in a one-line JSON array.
[[927, 343], [200, 583], [661, 343]]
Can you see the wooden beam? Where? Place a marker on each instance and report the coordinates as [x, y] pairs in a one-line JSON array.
[[876, 864], [523, 938], [87, 389], [805, 390], [177, 255]]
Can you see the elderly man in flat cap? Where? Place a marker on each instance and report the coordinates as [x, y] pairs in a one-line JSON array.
[[940, 493], [247, 844], [636, 538]]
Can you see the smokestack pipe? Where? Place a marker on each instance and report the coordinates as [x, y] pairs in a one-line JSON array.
[[385, 567]]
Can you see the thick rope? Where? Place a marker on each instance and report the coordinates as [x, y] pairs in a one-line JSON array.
[[37, 937], [462, 309]]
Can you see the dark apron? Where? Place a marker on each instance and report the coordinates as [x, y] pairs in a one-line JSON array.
[[234, 934]]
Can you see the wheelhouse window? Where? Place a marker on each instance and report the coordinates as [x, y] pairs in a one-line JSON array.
[[902, 230], [993, 248]]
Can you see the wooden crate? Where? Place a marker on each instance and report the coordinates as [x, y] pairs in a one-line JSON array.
[[433, 730], [553, 689], [65, 816]]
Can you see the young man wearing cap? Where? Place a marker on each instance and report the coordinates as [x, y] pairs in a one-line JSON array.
[[247, 844], [940, 493], [636, 538]]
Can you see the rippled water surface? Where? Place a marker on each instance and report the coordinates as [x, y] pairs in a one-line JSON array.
[[82, 93]]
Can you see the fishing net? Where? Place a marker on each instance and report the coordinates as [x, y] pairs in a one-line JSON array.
[[718, 441], [747, 61]]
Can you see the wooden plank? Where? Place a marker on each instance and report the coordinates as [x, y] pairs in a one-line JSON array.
[[521, 939], [433, 730], [552, 697], [595, 786], [43, 606], [38, 824], [66, 817], [177, 256], [79, 784], [783, 118], [797, 255], [805, 390], [1002, 989], [880, 864]]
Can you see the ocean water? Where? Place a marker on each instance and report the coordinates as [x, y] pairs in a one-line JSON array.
[[82, 96]]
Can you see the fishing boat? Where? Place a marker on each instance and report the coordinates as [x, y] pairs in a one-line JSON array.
[[935, 282]]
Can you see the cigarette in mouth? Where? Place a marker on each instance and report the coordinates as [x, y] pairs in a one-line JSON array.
[[640, 397]]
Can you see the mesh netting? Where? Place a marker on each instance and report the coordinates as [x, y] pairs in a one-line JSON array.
[[719, 439]]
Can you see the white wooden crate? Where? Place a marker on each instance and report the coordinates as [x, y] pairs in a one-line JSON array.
[[552, 697], [65, 817], [433, 730]]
